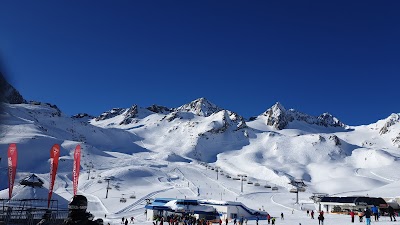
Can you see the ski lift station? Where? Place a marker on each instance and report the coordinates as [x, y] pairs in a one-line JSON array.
[[207, 209]]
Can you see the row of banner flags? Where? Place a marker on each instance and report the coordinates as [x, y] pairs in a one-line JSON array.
[[54, 156]]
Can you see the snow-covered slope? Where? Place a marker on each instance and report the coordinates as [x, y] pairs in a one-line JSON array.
[[156, 151]]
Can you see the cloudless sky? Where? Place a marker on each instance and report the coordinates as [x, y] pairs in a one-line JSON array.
[[341, 57]]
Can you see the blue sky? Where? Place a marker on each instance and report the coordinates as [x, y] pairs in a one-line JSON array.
[[340, 57]]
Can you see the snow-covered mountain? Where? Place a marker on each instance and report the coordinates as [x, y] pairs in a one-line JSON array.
[[280, 118], [148, 150]]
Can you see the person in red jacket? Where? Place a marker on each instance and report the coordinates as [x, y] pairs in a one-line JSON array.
[[352, 216]]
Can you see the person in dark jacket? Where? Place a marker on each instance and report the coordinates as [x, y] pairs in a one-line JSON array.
[[391, 213], [367, 215], [77, 214], [321, 219]]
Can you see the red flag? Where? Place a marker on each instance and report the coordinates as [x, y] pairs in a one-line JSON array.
[[12, 167], [77, 165], [54, 155]]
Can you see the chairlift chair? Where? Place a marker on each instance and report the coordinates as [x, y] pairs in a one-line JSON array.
[[275, 188], [302, 189]]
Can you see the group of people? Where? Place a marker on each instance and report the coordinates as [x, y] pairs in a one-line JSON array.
[[374, 211], [321, 217]]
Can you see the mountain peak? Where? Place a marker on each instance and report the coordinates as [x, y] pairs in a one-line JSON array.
[[278, 117], [393, 119], [200, 107]]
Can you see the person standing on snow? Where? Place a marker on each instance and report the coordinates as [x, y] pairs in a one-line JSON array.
[[352, 216], [367, 214], [321, 219], [375, 212]]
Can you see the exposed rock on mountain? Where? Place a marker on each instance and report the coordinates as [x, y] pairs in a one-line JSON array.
[[200, 107], [159, 109], [8, 93], [82, 115], [390, 121], [278, 117], [130, 114], [335, 139], [229, 120], [110, 114]]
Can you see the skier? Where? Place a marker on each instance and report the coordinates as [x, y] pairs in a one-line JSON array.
[[273, 221], [308, 212], [234, 221], [312, 214], [77, 214], [132, 219], [282, 218], [126, 221], [226, 221], [268, 218]]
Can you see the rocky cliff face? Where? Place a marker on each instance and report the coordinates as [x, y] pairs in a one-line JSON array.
[[390, 121], [110, 114], [278, 117], [8, 93]]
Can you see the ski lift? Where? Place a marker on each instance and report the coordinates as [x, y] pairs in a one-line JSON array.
[[302, 189], [122, 199], [267, 186], [227, 176], [91, 177], [99, 181], [275, 188], [293, 190], [256, 184], [250, 182], [133, 195]]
